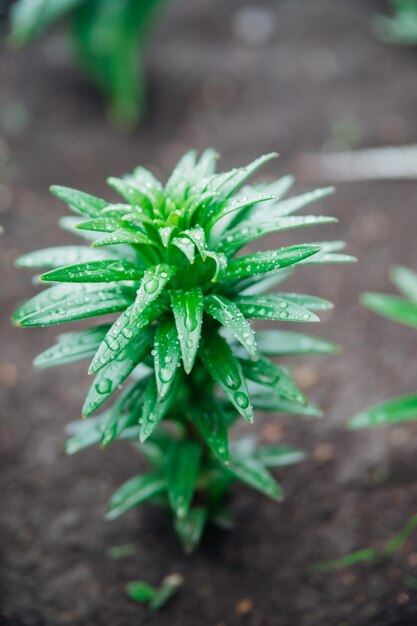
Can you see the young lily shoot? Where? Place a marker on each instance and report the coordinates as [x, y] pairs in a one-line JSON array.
[[170, 262], [403, 310]]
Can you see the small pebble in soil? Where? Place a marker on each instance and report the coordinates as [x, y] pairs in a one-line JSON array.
[[8, 374], [323, 453], [244, 606]]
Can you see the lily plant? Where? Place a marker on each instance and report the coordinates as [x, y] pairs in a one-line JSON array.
[[169, 260], [108, 39]]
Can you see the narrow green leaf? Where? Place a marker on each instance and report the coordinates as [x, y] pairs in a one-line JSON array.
[[125, 414], [212, 424], [186, 246], [85, 433], [261, 262], [101, 224], [131, 193], [272, 402], [406, 281], [72, 347], [226, 370], [252, 472], [190, 528], [285, 342], [79, 201], [401, 537], [181, 176], [230, 316], [134, 492], [360, 556], [66, 303], [140, 591], [154, 408], [165, 234], [123, 235], [291, 205], [182, 473], [269, 374], [59, 256], [198, 238], [274, 307], [278, 456], [254, 285], [187, 307], [123, 332], [220, 262], [227, 184], [71, 225], [110, 378], [249, 230], [392, 307], [152, 284], [167, 355], [312, 303], [234, 205], [401, 409], [105, 271]]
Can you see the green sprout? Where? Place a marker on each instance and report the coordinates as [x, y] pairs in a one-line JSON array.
[[166, 259], [401, 27], [403, 310], [108, 39]]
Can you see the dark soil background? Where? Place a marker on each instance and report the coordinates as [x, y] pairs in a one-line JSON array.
[[320, 79]]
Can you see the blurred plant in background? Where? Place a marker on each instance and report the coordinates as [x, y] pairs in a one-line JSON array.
[[403, 310], [401, 27], [108, 38], [166, 259]]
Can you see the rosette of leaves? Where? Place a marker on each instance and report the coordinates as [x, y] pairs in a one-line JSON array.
[[402, 309], [170, 261], [401, 27], [108, 39]]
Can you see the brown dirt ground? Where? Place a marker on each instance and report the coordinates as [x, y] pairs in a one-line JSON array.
[[207, 87]]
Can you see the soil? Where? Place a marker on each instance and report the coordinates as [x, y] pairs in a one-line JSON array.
[[322, 69]]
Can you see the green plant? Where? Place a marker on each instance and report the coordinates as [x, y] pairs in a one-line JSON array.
[[403, 310], [166, 259], [108, 39], [400, 28]]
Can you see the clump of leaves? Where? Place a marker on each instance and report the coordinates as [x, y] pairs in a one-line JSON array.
[[108, 38], [401, 27], [403, 310], [168, 260], [155, 597]]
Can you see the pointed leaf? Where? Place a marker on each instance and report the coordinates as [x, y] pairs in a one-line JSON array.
[[152, 284], [285, 342], [278, 456], [312, 303], [252, 472], [165, 234], [154, 409], [187, 307], [234, 205], [234, 179], [286, 207], [267, 373], [249, 230], [167, 355], [182, 473], [81, 202], [84, 433], [104, 271], [72, 347], [392, 307], [71, 225], [102, 224], [133, 492], [272, 402], [212, 425], [123, 235], [125, 413], [401, 409], [123, 332], [225, 369], [190, 528], [406, 281], [274, 307], [131, 194], [59, 256], [230, 316], [66, 303], [198, 238], [261, 262], [186, 246], [110, 378]]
